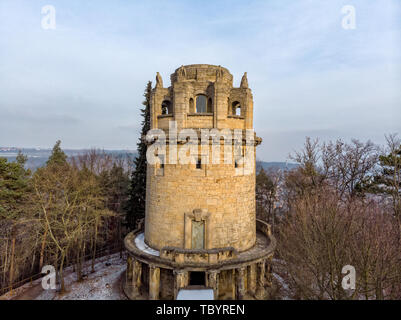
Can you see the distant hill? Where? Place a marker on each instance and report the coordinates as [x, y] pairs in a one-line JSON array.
[[38, 157], [276, 165]]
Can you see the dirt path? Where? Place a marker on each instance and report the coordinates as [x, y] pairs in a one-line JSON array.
[[30, 294]]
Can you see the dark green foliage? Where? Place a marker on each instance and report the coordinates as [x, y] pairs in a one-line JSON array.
[[14, 186], [58, 156], [137, 193]]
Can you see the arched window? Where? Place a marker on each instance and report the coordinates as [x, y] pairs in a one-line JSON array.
[[191, 106], [167, 107], [201, 104], [236, 108], [209, 106]]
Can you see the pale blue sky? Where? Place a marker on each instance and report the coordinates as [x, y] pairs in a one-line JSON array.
[[83, 82]]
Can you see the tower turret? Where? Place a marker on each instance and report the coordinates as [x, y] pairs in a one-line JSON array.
[[201, 205]]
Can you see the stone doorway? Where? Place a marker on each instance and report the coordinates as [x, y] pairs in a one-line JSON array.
[[197, 278]]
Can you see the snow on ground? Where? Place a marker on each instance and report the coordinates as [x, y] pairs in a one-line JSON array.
[[283, 285], [141, 245], [279, 267], [195, 294], [103, 284]]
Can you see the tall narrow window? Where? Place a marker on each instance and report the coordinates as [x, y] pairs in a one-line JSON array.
[[191, 106], [201, 104]]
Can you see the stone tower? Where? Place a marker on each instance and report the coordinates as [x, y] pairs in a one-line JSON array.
[[200, 224]]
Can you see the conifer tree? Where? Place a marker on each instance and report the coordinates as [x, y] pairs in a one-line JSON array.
[[137, 192], [14, 185], [58, 156]]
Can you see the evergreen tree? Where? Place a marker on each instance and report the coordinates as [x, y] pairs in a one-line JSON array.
[[58, 157], [14, 186], [137, 192], [14, 217]]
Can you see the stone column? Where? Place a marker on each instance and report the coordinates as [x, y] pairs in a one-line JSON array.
[[260, 292], [180, 104], [240, 283], [136, 276], [213, 282], [154, 282], [180, 281], [249, 109], [231, 280], [128, 278], [221, 90], [252, 279], [128, 273], [269, 272]]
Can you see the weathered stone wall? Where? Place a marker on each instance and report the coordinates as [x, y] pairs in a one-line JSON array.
[[199, 121], [228, 197], [166, 284]]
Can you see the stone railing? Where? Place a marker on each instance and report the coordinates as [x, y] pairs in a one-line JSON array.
[[200, 256], [175, 257], [200, 114], [264, 227], [233, 116]]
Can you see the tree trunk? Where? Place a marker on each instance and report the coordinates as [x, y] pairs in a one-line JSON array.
[[79, 265], [5, 264], [42, 249], [11, 278], [94, 248], [62, 285]]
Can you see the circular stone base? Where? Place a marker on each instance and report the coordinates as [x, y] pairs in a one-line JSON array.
[[161, 274]]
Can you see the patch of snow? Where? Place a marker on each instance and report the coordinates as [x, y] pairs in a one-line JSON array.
[[283, 284], [103, 284], [281, 280], [195, 294], [141, 245]]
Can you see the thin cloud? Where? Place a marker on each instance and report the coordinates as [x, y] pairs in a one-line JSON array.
[[305, 71]]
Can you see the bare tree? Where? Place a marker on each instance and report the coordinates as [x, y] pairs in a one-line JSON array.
[[267, 188], [322, 234]]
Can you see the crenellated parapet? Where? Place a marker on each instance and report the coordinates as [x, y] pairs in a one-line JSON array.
[[202, 96]]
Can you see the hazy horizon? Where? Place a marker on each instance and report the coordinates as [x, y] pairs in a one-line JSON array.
[[83, 82]]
